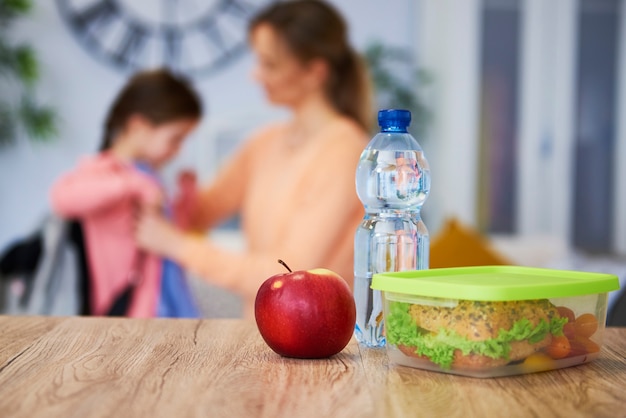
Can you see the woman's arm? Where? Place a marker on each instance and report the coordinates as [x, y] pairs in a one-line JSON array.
[[312, 232], [98, 183], [223, 197], [317, 223]]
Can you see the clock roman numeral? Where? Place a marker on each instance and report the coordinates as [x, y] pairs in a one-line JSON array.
[[214, 35], [172, 45], [131, 45], [238, 8], [96, 17], [234, 15]]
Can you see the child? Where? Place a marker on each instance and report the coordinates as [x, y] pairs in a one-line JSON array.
[[144, 129]]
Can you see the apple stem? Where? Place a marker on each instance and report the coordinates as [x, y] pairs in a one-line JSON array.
[[284, 264]]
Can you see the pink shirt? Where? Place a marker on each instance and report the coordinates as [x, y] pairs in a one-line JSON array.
[[298, 204], [104, 193]]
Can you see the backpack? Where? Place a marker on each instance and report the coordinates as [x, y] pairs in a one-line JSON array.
[[45, 273]]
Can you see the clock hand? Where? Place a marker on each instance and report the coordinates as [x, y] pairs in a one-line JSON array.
[[170, 11]]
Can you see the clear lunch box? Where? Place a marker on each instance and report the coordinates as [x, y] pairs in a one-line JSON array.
[[494, 320]]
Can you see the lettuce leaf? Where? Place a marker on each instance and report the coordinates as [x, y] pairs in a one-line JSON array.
[[439, 347]]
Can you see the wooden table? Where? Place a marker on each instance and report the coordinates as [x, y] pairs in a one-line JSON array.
[[106, 367]]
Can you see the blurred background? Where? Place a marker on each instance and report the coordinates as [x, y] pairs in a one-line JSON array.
[[519, 104]]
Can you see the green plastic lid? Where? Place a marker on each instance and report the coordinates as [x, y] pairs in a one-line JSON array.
[[495, 283]]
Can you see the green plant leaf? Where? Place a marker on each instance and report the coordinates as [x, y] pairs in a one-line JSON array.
[[20, 62], [38, 121], [387, 67], [20, 71], [10, 9], [26, 65], [7, 125], [6, 57], [16, 6]]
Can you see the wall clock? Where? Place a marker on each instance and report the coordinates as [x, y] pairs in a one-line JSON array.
[[194, 37]]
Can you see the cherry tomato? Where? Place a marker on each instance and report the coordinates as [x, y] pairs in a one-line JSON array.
[[538, 362], [577, 348], [569, 330], [590, 345], [585, 325], [565, 312], [559, 347]]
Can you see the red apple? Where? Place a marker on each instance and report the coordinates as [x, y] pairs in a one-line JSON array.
[[305, 314]]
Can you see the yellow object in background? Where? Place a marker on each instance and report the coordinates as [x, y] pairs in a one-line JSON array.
[[459, 245]]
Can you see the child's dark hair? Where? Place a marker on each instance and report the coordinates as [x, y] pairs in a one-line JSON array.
[[157, 95]]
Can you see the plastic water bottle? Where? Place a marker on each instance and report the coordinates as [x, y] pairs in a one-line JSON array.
[[392, 181]]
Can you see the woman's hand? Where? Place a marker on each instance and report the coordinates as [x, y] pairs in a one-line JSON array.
[[155, 234]]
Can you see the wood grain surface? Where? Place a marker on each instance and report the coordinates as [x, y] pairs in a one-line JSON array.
[[113, 367]]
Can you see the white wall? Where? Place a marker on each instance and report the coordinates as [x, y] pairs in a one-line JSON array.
[[81, 88], [449, 47], [547, 113]]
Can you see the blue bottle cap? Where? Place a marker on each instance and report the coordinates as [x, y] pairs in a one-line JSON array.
[[394, 120]]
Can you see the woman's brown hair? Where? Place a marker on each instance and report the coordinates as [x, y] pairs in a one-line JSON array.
[[313, 29], [157, 95]]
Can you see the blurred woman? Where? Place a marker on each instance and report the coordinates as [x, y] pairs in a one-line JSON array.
[[293, 182]]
